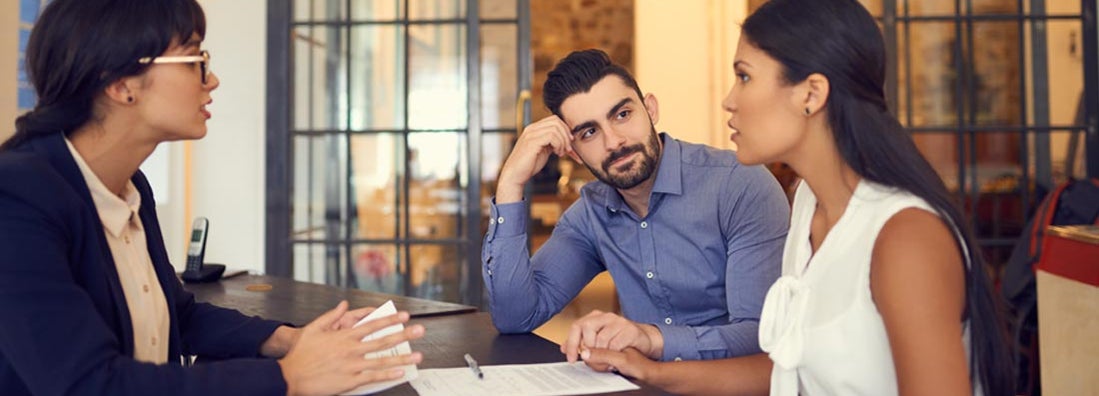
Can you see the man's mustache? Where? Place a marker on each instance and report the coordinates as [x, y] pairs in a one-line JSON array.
[[617, 155]]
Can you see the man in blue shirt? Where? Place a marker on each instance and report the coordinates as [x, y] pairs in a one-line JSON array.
[[692, 238]]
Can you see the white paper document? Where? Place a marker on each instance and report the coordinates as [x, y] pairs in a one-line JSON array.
[[519, 379], [403, 348]]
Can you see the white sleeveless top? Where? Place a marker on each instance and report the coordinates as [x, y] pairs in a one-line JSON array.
[[819, 323]]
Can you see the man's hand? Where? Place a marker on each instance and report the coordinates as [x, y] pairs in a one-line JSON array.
[[549, 135], [604, 330]]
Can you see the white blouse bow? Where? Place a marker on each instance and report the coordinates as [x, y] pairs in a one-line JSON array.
[[781, 331]]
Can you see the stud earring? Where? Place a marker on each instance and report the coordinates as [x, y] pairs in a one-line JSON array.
[[130, 99]]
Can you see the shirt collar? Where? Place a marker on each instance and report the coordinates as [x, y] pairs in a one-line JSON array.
[[114, 211], [669, 175]]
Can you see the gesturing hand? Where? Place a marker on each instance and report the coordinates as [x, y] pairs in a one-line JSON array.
[[604, 330], [349, 318], [327, 360]]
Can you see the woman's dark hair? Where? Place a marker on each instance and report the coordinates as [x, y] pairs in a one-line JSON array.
[[577, 73], [840, 40], [79, 47]]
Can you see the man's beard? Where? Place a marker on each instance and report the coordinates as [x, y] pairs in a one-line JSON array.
[[650, 155]]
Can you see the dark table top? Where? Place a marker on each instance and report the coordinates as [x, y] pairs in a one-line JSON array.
[[452, 329], [291, 301]]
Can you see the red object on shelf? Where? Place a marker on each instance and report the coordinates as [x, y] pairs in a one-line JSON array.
[[1072, 252]]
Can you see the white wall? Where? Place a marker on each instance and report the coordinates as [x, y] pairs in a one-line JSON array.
[[684, 55], [9, 39], [227, 167]]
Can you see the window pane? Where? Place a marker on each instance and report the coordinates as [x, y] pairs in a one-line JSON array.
[[928, 91], [436, 9], [499, 79], [377, 161], [320, 198], [436, 195], [319, 10], [498, 9], [941, 151], [927, 8], [320, 78], [377, 77], [376, 268], [377, 10], [320, 263], [998, 89], [435, 272], [438, 91]]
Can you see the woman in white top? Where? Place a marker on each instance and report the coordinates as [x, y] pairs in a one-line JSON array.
[[883, 290]]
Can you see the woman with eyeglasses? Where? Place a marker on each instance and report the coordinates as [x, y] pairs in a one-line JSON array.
[[89, 301]]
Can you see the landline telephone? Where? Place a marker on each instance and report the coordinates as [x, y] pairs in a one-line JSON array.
[[196, 270]]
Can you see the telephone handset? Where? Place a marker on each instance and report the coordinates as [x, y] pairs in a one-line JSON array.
[[196, 270]]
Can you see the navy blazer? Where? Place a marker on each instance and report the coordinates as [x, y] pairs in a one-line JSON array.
[[64, 324]]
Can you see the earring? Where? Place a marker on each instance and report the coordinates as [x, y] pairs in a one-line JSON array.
[[806, 111], [130, 99]]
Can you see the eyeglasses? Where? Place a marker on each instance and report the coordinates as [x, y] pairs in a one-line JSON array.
[[203, 60]]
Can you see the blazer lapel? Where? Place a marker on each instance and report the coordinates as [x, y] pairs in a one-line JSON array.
[[57, 153]]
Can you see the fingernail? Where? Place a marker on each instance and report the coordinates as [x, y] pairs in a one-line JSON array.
[[585, 354], [417, 330]]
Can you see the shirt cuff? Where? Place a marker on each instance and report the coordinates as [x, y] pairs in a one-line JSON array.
[[680, 343], [507, 220]]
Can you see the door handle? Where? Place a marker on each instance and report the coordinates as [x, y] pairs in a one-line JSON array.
[[524, 97]]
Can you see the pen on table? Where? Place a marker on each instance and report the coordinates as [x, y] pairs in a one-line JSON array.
[[473, 366]]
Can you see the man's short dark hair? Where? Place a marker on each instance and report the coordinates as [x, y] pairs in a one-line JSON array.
[[577, 73]]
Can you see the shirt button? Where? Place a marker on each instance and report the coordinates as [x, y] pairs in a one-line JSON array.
[[154, 341], [492, 221], [500, 219], [145, 288], [490, 272], [126, 238], [678, 359], [644, 224], [667, 320], [649, 274]]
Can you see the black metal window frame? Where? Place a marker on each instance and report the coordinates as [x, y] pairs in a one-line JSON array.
[[897, 17], [280, 135]]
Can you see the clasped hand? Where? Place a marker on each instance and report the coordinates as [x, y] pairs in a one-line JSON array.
[[605, 330]]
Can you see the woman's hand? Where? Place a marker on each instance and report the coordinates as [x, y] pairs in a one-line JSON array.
[[329, 359], [629, 362]]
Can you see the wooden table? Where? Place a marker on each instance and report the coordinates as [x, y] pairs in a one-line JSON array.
[[291, 301], [452, 329]]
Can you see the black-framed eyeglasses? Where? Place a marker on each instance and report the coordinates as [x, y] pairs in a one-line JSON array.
[[203, 60]]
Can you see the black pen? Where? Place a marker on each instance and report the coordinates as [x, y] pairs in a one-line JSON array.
[[473, 366]]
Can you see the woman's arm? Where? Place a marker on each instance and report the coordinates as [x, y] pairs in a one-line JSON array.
[[917, 279], [747, 375]]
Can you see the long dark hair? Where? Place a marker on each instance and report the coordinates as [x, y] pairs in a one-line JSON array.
[[79, 47], [840, 40]]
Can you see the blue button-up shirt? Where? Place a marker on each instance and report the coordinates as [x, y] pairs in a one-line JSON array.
[[697, 266]]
